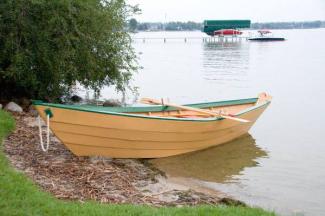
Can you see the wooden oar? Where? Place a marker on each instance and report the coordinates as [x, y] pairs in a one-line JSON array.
[[158, 102]]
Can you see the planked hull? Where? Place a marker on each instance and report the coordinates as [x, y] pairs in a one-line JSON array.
[[138, 136]]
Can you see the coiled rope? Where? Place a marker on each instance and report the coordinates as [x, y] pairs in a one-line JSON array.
[[47, 131]]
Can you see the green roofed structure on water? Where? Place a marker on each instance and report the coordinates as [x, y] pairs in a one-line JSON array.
[[213, 25]]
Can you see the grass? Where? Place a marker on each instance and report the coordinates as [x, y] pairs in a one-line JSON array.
[[20, 196]]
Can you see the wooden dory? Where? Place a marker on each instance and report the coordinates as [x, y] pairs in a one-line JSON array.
[[148, 132]]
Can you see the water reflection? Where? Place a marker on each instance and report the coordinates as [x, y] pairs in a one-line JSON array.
[[216, 164], [226, 62]]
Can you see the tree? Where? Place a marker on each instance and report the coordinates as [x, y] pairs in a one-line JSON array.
[[48, 47], [143, 26], [133, 24]]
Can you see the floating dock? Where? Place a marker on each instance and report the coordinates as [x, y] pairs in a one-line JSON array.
[[189, 39]]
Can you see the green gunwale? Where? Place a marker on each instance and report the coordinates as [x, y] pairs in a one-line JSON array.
[[130, 111]]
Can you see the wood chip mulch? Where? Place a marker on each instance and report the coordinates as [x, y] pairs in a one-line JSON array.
[[70, 177]]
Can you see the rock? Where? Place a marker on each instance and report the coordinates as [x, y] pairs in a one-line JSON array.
[[13, 107], [32, 111], [112, 103], [99, 159], [0, 106], [33, 122]]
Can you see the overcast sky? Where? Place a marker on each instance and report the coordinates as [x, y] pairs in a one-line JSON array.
[[255, 10]]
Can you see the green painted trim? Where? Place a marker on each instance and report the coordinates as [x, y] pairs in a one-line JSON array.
[[147, 108], [253, 108], [121, 111]]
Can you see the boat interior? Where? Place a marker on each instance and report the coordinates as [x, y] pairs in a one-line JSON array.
[[229, 108], [178, 113]]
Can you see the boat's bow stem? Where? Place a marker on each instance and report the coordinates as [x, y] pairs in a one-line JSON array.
[[263, 98]]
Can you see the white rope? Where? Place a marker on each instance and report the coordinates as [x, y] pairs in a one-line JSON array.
[[47, 135]]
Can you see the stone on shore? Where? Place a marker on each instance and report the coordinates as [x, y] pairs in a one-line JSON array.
[[13, 107], [32, 111]]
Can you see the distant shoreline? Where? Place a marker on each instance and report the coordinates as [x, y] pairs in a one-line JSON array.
[[195, 26], [196, 30]]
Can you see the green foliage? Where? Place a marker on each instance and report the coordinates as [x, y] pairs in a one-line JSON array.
[[289, 25], [20, 196], [189, 26], [133, 23], [48, 47], [170, 26], [183, 26]]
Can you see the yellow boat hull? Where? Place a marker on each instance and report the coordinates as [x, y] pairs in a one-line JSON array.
[[142, 136]]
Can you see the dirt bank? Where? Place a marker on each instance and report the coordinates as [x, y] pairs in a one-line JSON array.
[[105, 180]]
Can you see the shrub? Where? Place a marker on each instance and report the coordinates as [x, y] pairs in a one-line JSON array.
[[48, 47]]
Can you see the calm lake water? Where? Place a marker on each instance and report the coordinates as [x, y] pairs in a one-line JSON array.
[[281, 165]]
